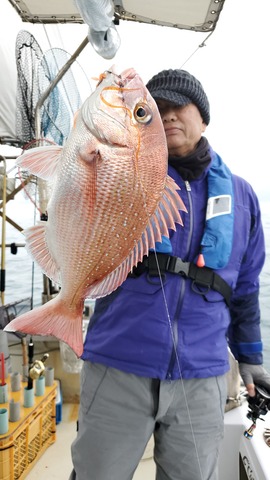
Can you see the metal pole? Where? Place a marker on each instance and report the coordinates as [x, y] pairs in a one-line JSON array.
[[57, 79], [3, 241]]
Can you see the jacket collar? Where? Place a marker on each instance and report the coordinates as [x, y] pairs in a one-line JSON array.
[[192, 166]]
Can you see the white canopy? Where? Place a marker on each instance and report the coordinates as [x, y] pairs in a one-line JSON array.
[[199, 15], [193, 15]]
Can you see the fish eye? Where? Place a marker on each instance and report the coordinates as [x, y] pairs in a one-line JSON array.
[[142, 113]]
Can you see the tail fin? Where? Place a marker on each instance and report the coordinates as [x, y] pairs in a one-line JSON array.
[[54, 318]]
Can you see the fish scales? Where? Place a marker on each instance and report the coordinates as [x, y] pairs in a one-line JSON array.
[[111, 201]]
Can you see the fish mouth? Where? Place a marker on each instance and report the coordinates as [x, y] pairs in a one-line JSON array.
[[128, 74], [120, 79]]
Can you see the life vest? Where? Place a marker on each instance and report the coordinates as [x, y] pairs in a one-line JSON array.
[[216, 243]]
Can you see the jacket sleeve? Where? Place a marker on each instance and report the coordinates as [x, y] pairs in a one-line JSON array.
[[244, 334]]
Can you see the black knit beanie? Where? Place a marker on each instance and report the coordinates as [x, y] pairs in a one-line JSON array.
[[181, 88]]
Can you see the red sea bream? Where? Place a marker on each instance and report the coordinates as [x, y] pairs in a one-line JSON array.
[[111, 201]]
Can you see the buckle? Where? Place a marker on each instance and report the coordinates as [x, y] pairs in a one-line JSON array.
[[176, 265]]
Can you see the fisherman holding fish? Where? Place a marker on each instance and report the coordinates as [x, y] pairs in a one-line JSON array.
[[172, 291], [156, 351]]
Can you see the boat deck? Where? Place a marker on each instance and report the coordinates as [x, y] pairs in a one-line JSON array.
[[55, 463]]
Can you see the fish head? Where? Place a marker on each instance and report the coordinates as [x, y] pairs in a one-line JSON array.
[[122, 113]]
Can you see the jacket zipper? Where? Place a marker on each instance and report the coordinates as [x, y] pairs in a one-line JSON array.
[[182, 291]]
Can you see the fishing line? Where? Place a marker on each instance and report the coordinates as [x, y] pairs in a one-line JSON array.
[[178, 363], [47, 35], [196, 50]]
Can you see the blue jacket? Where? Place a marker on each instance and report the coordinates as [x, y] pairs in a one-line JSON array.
[[136, 328]]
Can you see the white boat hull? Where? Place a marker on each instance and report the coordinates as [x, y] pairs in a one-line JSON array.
[[242, 458]]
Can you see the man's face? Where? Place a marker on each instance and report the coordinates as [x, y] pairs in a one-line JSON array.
[[183, 127]]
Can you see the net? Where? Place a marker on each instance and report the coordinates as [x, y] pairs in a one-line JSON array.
[[28, 56]]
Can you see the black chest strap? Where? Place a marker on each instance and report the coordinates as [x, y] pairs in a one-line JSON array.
[[205, 277]]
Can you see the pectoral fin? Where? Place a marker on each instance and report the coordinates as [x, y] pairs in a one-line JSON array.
[[41, 161]]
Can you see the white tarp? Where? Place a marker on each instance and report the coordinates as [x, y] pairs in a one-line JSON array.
[[8, 79], [199, 15]]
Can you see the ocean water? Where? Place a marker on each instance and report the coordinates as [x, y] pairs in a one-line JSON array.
[[265, 287], [24, 279]]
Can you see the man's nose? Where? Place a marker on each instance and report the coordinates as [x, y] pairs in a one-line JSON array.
[[168, 115]]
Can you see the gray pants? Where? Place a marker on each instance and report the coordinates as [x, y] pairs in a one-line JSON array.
[[119, 412]]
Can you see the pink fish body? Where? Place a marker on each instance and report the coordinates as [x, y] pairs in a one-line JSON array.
[[111, 201]]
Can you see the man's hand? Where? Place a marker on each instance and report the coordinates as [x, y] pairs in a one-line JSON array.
[[254, 374]]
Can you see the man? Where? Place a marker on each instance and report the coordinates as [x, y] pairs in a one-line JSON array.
[[156, 350]]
